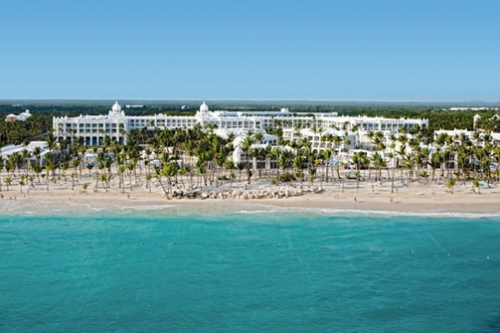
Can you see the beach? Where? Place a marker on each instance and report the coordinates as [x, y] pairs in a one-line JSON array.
[[258, 195]]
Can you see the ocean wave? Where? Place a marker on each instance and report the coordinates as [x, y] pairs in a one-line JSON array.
[[54, 208], [147, 207], [437, 213], [361, 212], [260, 211]]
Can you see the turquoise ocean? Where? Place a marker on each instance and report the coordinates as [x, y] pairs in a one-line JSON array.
[[267, 271]]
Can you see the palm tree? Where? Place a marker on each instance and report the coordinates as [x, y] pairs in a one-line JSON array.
[[312, 176], [258, 137], [130, 167], [148, 181], [200, 167], [104, 180], [72, 176], [357, 174], [1, 169], [259, 154], [337, 140], [378, 141], [477, 184], [298, 165], [75, 163], [89, 167], [451, 183], [379, 163], [424, 175], [409, 163], [170, 170], [158, 174], [184, 170], [8, 182], [285, 159], [326, 154], [26, 155], [240, 166], [357, 158], [246, 145], [48, 169]]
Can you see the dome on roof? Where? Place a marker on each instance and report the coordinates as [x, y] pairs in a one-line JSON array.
[[204, 107], [116, 107]]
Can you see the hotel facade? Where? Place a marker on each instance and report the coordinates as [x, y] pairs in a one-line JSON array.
[[116, 124]]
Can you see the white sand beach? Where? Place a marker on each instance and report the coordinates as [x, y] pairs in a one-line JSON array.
[[346, 196]]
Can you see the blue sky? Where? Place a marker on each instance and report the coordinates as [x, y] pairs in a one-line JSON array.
[[338, 50]]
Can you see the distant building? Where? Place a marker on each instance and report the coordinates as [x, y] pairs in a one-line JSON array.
[[11, 118], [23, 116], [472, 109]]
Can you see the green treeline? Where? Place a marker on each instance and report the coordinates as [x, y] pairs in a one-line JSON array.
[[34, 129]]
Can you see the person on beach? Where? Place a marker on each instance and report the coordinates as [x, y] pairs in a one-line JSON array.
[[355, 200]]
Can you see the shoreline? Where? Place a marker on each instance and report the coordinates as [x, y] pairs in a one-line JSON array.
[[369, 198]]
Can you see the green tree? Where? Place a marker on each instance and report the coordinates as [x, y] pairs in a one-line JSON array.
[[451, 184], [8, 182], [477, 184]]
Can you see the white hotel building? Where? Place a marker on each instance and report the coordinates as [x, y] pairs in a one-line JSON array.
[[116, 124]]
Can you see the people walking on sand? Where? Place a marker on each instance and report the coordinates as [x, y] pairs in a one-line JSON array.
[[355, 200]]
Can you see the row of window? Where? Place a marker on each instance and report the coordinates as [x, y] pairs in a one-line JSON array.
[[82, 126], [95, 131]]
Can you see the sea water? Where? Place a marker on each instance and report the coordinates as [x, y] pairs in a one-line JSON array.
[[249, 272]]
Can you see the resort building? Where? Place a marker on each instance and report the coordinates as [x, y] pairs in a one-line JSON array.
[[117, 125], [23, 116], [34, 148]]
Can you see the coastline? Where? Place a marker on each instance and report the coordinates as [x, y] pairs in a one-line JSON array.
[[368, 198]]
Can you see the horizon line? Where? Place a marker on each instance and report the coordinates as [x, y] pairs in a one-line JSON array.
[[264, 100]]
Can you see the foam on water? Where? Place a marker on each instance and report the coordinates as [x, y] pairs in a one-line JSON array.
[[363, 212], [436, 213], [147, 208], [55, 208]]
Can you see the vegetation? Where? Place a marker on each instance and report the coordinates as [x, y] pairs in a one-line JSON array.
[[195, 158]]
